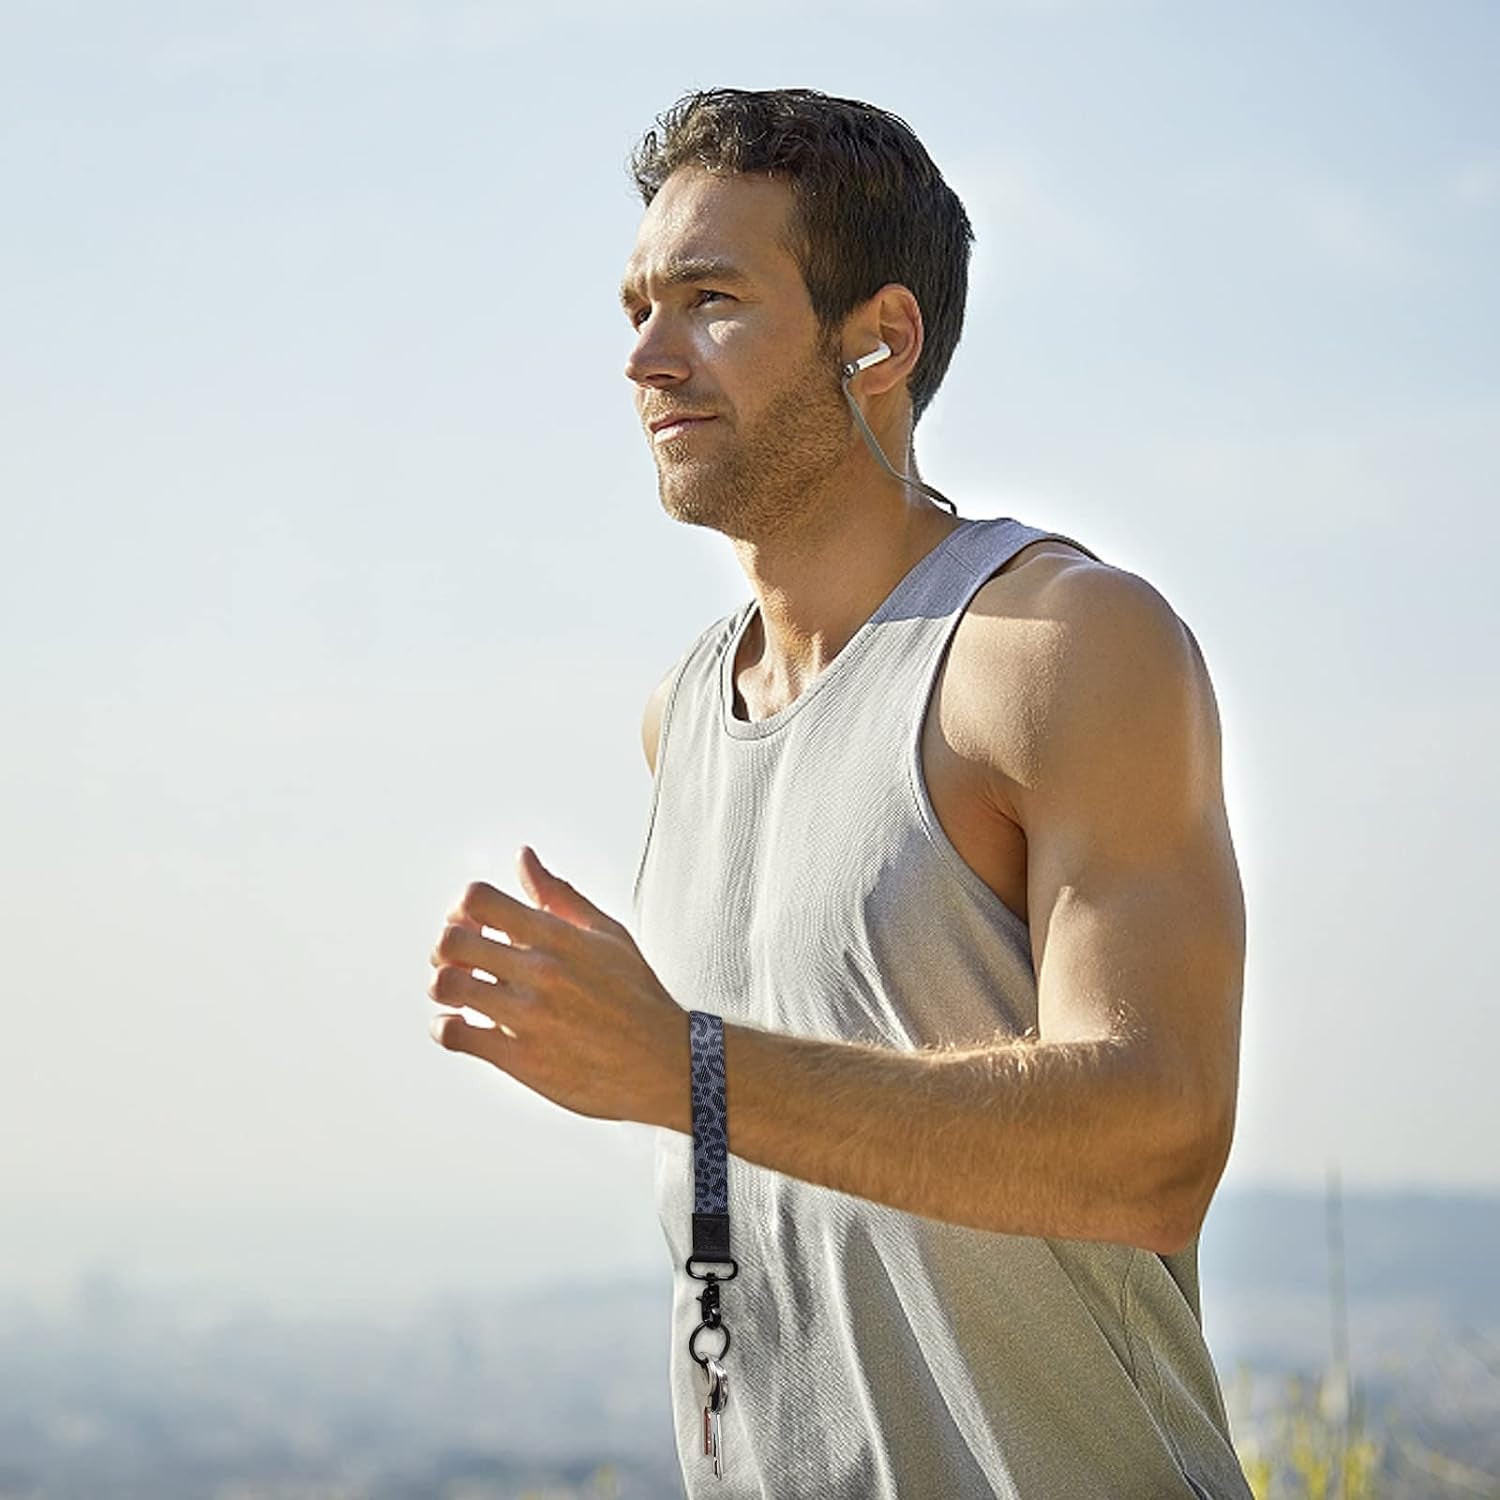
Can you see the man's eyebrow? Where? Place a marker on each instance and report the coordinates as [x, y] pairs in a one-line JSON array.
[[688, 268]]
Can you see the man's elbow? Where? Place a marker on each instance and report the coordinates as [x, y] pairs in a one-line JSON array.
[[1195, 1170]]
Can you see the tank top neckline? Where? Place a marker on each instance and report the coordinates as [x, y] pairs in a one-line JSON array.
[[755, 729]]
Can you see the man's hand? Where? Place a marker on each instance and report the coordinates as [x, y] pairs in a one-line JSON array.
[[579, 1016]]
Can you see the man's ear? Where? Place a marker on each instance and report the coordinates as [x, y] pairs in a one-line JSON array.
[[891, 317]]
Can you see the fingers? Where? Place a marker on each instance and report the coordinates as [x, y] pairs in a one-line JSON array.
[[557, 895], [484, 905], [468, 947], [519, 974], [495, 1044], [510, 974], [492, 998], [551, 947]]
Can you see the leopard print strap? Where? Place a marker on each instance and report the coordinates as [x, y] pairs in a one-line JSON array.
[[710, 1138]]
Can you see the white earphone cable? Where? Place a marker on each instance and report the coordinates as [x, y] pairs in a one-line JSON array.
[[845, 375]]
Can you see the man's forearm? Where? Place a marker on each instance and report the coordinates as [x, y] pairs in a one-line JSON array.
[[1068, 1140]]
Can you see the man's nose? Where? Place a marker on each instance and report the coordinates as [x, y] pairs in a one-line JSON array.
[[659, 357]]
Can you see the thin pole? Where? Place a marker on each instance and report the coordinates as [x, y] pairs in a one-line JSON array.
[[1339, 1309]]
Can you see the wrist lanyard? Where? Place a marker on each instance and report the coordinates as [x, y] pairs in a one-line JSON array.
[[710, 1210]]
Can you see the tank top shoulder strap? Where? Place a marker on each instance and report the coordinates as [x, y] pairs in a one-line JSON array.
[[696, 670], [691, 684], [972, 557]]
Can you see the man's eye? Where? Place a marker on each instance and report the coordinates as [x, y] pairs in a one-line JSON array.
[[639, 314]]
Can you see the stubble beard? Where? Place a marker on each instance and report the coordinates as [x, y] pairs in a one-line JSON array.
[[765, 480]]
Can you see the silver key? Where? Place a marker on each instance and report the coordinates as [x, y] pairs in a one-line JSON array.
[[718, 1396]]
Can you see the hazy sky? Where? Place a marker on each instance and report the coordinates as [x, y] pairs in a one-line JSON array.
[[332, 566]]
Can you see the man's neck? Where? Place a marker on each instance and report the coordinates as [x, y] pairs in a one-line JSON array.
[[816, 586]]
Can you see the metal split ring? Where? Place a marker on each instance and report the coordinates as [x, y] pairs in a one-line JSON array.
[[703, 1358]]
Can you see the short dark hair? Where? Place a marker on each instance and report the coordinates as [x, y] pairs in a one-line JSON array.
[[869, 205]]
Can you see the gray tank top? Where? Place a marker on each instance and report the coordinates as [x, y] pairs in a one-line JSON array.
[[794, 877]]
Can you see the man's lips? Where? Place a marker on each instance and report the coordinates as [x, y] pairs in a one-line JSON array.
[[665, 427]]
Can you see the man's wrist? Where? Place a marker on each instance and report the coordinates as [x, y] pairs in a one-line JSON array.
[[673, 1108]]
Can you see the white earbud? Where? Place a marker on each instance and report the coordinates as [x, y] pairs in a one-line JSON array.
[[881, 351]]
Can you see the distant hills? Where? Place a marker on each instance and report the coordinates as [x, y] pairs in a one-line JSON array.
[[1412, 1260], [1418, 1267], [151, 1388], [1435, 1246]]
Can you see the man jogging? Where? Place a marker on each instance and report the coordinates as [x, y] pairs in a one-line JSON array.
[[933, 994]]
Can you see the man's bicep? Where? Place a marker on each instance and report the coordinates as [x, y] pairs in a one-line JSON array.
[[1147, 953], [1133, 893]]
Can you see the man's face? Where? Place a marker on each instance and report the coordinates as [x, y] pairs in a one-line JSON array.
[[725, 331]]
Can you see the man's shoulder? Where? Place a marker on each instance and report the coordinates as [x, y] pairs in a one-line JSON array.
[[656, 704], [1051, 590], [1058, 648]]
